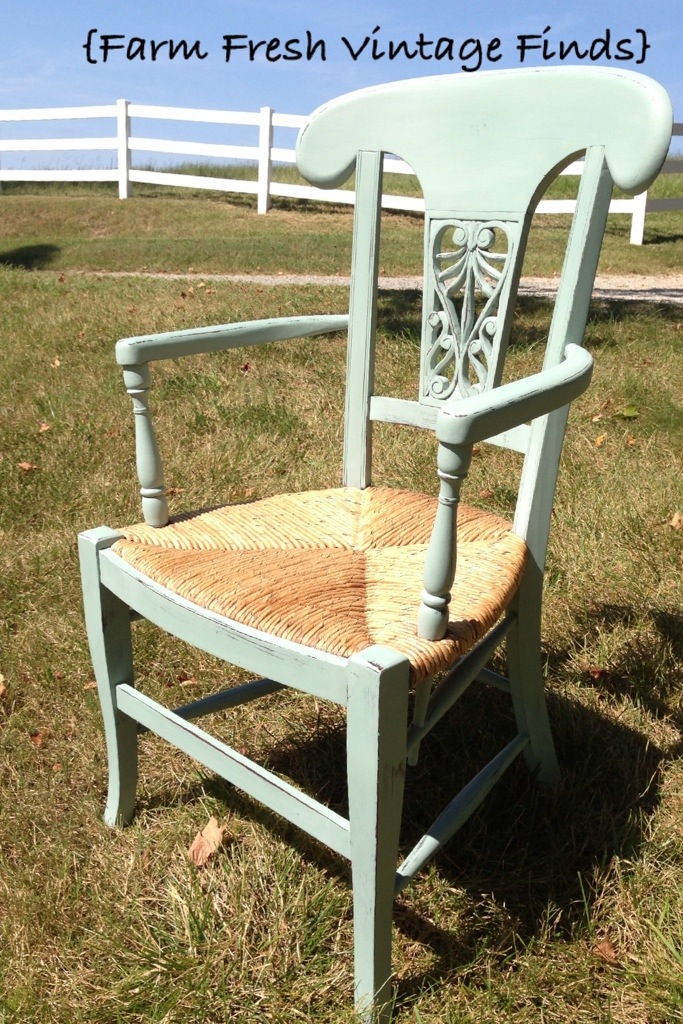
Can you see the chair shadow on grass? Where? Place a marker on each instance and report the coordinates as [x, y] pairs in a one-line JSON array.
[[29, 257], [526, 848]]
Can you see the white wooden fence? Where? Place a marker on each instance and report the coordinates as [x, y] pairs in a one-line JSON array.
[[123, 144]]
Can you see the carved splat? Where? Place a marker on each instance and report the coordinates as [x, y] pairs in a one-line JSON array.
[[470, 265]]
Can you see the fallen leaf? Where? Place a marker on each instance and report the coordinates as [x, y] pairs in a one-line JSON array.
[[185, 679], [43, 427], [600, 440], [630, 441], [676, 521], [206, 843], [596, 419], [3, 685], [37, 736], [606, 950], [92, 685], [170, 491], [245, 367], [27, 466], [61, 279], [629, 412], [56, 362]]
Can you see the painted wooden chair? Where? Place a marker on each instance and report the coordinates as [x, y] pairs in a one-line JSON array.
[[362, 594]]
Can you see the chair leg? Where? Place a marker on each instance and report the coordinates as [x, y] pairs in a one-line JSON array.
[[423, 692], [527, 687], [107, 622], [376, 757]]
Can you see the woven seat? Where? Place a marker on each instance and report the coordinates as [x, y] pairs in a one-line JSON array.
[[386, 602], [337, 570]]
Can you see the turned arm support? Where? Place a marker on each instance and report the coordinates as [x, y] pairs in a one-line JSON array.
[[453, 462], [137, 380], [135, 353], [459, 426]]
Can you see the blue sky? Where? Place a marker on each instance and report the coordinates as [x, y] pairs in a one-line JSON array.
[[43, 61]]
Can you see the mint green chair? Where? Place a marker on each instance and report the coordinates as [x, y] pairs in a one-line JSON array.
[[374, 598]]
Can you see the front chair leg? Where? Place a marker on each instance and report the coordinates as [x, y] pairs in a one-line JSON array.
[[107, 622], [376, 760]]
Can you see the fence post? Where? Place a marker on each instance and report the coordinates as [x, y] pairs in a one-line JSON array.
[[265, 144], [122, 148], [638, 218]]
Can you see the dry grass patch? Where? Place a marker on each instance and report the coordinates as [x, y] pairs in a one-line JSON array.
[[552, 907]]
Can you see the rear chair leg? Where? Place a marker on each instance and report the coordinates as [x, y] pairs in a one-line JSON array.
[[527, 686], [423, 692], [376, 753], [107, 622]]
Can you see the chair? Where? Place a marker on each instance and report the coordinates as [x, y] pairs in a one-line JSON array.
[[366, 595]]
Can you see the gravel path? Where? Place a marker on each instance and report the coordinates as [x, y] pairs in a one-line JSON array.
[[667, 288]]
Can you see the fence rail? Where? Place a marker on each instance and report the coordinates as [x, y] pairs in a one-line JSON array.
[[124, 143]]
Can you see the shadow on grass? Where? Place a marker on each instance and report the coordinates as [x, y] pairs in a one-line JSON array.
[[400, 314], [638, 672], [618, 310], [534, 314], [526, 849], [533, 853], [662, 239], [29, 257]]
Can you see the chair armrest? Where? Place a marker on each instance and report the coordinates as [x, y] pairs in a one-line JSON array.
[[475, 418], [135, 353], [173, 344]]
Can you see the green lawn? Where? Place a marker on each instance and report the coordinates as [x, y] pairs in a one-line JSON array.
[[546, 907]]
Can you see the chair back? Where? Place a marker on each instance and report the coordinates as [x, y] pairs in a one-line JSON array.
[[484, 148]]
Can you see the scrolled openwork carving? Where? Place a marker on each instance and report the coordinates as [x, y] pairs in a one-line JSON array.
[[468, 277]]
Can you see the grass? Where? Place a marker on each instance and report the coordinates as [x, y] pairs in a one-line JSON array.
[[545, 907], [86, 227]]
